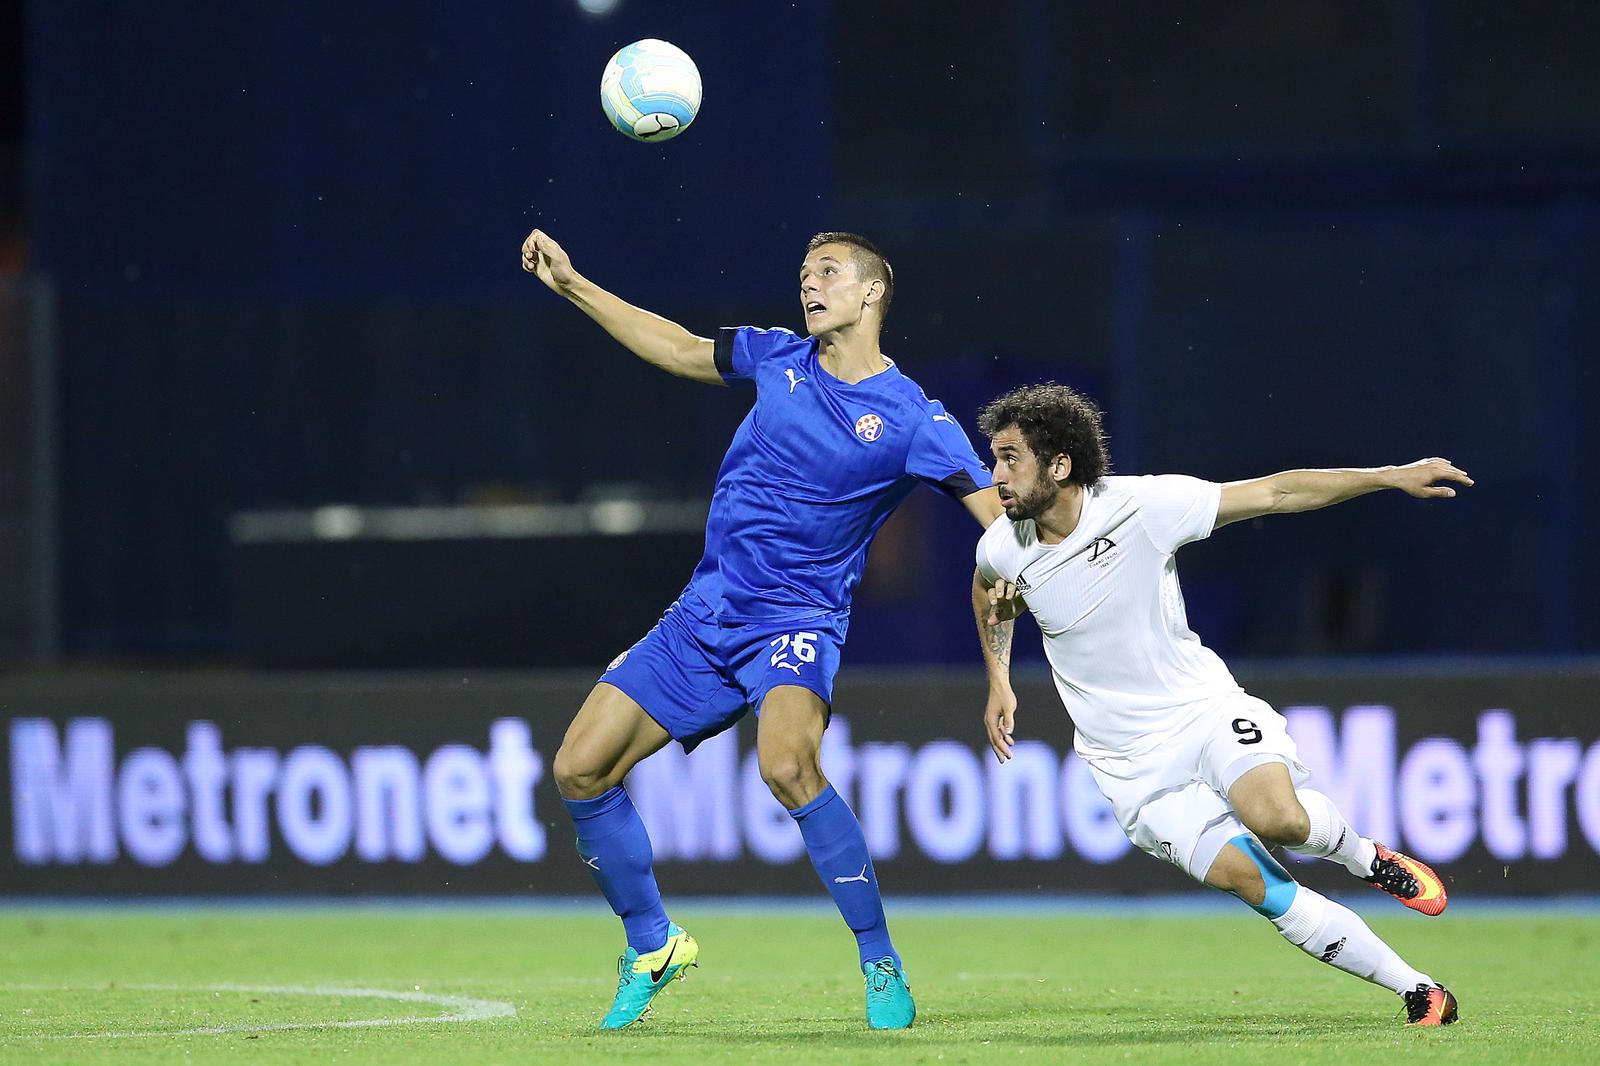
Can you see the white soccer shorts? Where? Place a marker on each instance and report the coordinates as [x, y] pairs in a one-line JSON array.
[[1172, 800]]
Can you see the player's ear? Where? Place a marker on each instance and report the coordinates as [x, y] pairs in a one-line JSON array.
[[874, 292], [1061, 467]]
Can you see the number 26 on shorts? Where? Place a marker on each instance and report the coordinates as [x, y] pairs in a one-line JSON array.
[[800, 644]]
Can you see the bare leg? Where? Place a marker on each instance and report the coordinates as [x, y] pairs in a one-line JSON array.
[[789, 744], [1265, 801], [608, 737], [1306, 822]]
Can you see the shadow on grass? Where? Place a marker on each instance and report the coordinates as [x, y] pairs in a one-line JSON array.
[[1123, 1026]]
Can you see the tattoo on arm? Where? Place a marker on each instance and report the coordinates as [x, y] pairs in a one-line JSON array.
[[998, 639]]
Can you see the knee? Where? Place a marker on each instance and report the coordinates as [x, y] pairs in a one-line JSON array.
[[1282, 821], [579, 777], [794, 777], [1245, 868], [1233, 872]]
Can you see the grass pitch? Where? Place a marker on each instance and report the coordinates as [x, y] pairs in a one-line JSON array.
[[490, 985]]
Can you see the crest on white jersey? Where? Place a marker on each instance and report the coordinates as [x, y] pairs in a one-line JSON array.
[[1098, 551], [869, 427]]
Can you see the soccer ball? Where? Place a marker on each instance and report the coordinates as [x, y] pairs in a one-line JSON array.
[[650, 90]]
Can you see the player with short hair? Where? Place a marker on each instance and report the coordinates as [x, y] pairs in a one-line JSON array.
[[1198, 772], [837, 438]]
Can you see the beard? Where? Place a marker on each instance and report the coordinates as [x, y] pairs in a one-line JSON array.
[[1035, 502]]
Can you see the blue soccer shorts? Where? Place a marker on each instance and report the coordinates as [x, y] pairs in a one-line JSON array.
[[696, 676]]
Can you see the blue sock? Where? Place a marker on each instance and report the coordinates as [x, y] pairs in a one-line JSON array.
[[614, 845], [839, 855]]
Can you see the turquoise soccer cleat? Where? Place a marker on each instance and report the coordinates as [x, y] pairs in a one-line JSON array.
[[889, 1003], [640, 978]]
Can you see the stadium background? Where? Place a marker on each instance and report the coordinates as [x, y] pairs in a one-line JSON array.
[[275, 398]]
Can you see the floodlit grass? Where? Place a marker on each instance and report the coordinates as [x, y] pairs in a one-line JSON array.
[[263, 985]]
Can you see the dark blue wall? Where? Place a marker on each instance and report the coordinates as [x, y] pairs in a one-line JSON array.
[[1345, 234]]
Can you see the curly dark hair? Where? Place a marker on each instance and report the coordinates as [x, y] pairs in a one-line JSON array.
[[871, 263], [1054, 420]]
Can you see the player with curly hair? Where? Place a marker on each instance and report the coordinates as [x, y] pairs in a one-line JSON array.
[[1198, 772]]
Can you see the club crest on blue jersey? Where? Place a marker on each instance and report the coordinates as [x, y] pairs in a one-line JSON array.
[[813, 471]]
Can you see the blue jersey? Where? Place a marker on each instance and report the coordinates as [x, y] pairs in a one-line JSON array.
[[812, 474]]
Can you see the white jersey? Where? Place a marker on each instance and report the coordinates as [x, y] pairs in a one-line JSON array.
[[1126, 663]]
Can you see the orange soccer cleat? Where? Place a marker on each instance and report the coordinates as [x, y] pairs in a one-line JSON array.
[[1430, 1005], [1409, 881]]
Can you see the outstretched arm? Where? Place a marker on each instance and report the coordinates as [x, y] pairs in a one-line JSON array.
[[1306, 490], [652, 338], [995, 608], [984, 505]]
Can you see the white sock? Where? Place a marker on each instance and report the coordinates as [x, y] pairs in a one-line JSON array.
[[1328, 931], [1331, 836]]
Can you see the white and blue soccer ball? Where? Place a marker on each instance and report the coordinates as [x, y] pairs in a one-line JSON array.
[[650, 90]]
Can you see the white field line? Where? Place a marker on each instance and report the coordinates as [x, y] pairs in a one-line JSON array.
[[459, 1008]]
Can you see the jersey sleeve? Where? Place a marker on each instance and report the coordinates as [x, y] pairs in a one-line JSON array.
[[1177, 509], [985, 567], [740, 350], [942, 456]]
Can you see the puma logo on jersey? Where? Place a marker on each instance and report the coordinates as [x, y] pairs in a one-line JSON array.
[[943, 418], [794, 379]]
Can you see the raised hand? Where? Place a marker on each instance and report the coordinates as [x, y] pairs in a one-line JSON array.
[[542, 256], [1418, 478]]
